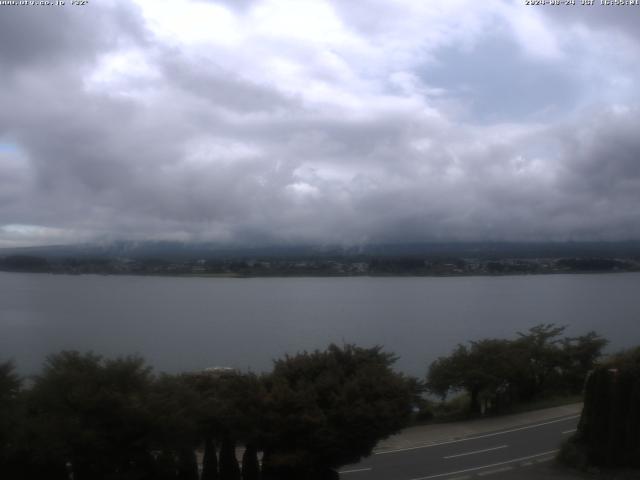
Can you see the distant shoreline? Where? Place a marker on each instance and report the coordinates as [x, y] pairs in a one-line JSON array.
[[322, 266], [320, 275]]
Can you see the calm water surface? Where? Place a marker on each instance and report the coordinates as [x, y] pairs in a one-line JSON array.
[[182, 324]]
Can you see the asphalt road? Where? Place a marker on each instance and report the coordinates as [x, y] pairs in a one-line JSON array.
[[478, 456]]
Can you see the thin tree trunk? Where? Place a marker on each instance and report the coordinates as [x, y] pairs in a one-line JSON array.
[[250, 464], [474, 407], [229, 468], [166, 468], [187, 465], [210, 461]]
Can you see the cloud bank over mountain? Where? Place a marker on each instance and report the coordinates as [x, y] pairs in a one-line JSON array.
[[318, 121]]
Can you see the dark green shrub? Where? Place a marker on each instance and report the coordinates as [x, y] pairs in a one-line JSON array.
[[572, 454], [609, 428]]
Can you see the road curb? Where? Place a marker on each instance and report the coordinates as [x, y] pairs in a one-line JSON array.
[[426, 435]]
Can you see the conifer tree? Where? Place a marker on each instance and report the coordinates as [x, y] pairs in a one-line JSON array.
[[229, 468], [250, 465], [210, 461], [609, 428], [187, 465], [166, 467]]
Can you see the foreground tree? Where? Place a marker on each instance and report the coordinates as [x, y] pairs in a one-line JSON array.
[[329, 408], [609, 429], [9, 423], [187, 463], [91, 413], [250, 464], [580, 357], [496, 373], [176, 409], [229, 468], [538, 358], [209, 460], [230, 412], [87, 417], [482, 370]]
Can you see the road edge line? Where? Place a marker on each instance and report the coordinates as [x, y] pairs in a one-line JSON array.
[[466, 439], [506, 462]]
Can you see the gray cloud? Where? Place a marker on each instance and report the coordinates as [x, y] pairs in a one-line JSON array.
[[614, 19], [134, 135], [239, 5], [57, 35], [222, 88], [497, 82]]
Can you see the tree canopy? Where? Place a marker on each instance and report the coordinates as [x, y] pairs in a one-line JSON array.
[[499, 372], [329, 408], [99, 418], [10, 385]]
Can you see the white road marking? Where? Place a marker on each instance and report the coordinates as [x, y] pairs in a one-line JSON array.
[[569, 431], [495, 470], [486, 466], [355, 470], [542, 460], [477, 437], [476, 451]]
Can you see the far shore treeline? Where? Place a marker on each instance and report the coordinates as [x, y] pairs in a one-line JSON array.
[[88, 417], [399, 260]]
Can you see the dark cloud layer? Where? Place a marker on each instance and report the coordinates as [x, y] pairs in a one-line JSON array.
[[264, 128], [29, 35]]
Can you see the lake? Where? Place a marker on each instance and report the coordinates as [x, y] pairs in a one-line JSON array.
[[181, 324]]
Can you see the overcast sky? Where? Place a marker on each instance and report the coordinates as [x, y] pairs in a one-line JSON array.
[[318, 121]]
